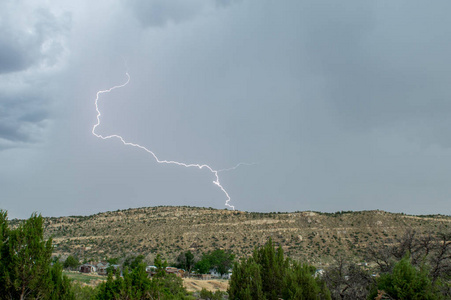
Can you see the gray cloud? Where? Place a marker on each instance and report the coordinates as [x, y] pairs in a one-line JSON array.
[[12, 57], [22, 119], [382, 70], [161, 12], [32, 46], [344, 105], [37, 40], [226, 3]]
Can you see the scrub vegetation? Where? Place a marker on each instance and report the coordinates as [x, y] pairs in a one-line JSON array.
[[413, 265]]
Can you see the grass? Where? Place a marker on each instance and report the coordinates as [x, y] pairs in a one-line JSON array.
[[84, 278]]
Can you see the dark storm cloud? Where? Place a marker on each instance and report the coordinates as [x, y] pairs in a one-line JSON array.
[[31, 47], [30, 42], [22, 119], [12, 57], [344, 104]]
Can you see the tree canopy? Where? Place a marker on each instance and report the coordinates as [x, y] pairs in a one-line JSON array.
[[218, 259], [25, 263], [268, 275]]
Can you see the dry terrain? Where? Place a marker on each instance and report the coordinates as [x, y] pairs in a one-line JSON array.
[[310, 236], [213, 285]]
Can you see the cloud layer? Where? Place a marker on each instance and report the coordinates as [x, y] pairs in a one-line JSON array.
[[32, 46], [343, 105]]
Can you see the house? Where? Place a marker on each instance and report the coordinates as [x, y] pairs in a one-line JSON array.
[[87, 268], [102, 268], [151, 270], [318, 273], [215, 274], [175, 271]]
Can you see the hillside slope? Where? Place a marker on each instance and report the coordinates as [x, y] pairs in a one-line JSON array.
[[309, 236]]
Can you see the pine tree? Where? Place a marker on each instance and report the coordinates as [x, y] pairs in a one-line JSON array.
[[273, 269], [246, 282], [268, 275], [301, 284], [25, 263], [61, 287], [405, 282]]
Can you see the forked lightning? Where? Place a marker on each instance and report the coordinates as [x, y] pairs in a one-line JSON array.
[[215, 172]]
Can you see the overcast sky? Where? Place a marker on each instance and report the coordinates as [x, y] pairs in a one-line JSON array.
[[341, 105]]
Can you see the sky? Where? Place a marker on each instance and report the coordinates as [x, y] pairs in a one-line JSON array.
[[333, 105]]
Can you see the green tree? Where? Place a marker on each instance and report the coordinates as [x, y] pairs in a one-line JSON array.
[[61, 287], [186, 261], [405, 282], [246, 282], [300, 283], [218, 259], [273, 268], [221, 260], [133, 262], [25, 263], [268, 275], [25, 260], [189, 261], [136, 285], [113, 260], [161, 266], [83, 292], [71, 263], [202, 266], [209, 295], [131, 285]]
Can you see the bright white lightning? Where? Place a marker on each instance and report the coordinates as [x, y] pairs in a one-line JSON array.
[[200, 166]]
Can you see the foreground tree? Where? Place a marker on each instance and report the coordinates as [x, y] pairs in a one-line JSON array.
[[246, 282], [25, 257], [268, 275], [430, 253], [136, 285], [405, 282]]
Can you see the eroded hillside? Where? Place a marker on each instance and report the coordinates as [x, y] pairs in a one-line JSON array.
[[309, 236]]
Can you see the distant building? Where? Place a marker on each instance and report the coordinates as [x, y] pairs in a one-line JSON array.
[[215, 274], [151, 270], [87, 268], [175, 271], [102, 268], [318, 273]]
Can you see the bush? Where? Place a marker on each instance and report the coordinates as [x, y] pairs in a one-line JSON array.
[[209, 295]]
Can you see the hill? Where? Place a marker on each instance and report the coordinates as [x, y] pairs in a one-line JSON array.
[[310, 236]]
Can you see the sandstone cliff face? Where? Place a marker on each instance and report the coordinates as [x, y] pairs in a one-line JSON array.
[[309, 236]]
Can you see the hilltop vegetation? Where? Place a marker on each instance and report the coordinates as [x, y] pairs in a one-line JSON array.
[[312, 237]]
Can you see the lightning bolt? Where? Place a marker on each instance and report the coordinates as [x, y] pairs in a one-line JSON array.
[[126, 143]]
